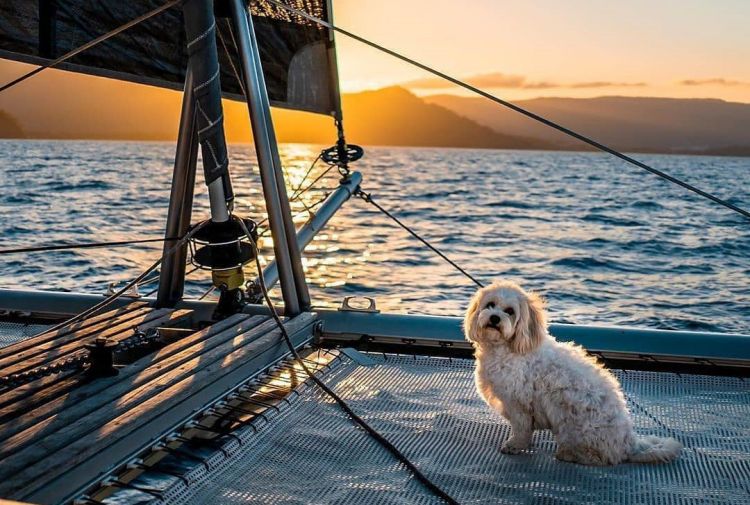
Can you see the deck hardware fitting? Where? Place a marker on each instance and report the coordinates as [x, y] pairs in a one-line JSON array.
[[130, 293], [170, 439], [101, 357], [318, 331], [223, 249], [135, 464], [346, 305]]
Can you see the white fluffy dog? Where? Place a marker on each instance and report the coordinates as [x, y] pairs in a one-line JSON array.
[[536, 382]]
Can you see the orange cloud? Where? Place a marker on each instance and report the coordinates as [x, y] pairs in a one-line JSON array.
[[499, 80], [720, 81], [606, 84], [495, 80]]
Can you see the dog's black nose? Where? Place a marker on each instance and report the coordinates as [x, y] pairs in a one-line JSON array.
[[494, 320]]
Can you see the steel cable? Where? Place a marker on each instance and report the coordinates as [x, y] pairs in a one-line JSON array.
[[520, 110], [307, 174], [85, 245], [297, 193], [367, 197], [431, 486], [107, 301]]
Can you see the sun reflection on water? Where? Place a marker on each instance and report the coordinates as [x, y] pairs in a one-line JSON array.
[[605, 244]]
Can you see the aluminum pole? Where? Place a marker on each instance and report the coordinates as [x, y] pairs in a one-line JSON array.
[[257, 101], [172, 275], [295, 255], [218, 201], [316, 223]]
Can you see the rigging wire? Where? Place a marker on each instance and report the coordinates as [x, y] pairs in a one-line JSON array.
[[207, 292], [299, 193], [157, 277], [367, 197], [151, 279], [226, 51], [308, 209], [91, 43], [307, 174], [85, 245], [107, 301], [516, 108], [434, 488], [92, 245]]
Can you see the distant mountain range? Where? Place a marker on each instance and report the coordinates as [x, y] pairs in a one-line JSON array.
[[390, 116], [394, 116], [662, 125], [81, 107]]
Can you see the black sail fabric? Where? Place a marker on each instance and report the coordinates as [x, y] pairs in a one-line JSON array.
[[298, 56]]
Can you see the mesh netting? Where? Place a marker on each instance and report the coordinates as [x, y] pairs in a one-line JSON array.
[[309, 452], [10, 333]]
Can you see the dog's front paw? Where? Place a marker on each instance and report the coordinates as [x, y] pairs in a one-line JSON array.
[[512, 447]]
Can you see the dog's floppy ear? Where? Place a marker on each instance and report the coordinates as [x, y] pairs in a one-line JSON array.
[[470, 319], [531, 326]]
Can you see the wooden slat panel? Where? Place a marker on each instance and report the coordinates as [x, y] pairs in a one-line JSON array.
[[32, 342], [66, 349], [69, 337], [91, 395], [122, 397], [19, 393], [33, 473], [15, 402]]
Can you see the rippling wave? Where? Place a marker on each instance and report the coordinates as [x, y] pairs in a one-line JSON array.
[[604, 242]]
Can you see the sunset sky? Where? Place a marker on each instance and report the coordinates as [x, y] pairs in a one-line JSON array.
[[579, 48], [518, 50]]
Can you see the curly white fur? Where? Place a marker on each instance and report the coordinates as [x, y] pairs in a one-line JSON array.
[[536, 382]]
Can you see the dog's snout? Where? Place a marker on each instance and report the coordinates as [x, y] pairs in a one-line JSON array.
[[494, 319]]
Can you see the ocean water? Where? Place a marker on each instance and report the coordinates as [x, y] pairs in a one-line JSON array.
[[606, 243]]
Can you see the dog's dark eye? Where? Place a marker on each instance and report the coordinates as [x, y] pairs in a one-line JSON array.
[[490, 305], [509, 311]]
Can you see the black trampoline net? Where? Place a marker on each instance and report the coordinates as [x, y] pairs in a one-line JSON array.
[[297, 55], [309, 452], [12, 332]]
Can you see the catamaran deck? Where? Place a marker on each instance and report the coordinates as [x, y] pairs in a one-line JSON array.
[[61, 429], [305, 450], [214, 415]]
